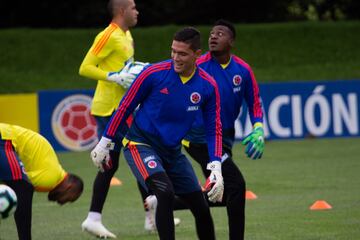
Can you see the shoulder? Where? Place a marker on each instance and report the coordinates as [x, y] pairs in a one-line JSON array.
[[242, 63], [155, 70], [108, 31], [206, 77], [158, 67], [204, 58]]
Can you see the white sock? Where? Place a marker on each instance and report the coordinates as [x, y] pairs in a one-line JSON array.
[[95, 216]]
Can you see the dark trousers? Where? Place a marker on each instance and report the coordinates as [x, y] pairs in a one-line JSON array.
[[234, 188], [161, 186]]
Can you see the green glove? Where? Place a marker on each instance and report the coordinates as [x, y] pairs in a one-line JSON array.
[[255, 143]]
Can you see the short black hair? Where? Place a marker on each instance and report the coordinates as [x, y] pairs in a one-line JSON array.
[[227, 24], [189, 35], [68, 190]]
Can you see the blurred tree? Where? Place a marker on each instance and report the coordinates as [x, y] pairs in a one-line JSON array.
[[324, 9], [93, 13]]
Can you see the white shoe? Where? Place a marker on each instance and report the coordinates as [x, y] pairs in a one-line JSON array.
[[150, 222], [177, 221], [150, 204], [96, 228]]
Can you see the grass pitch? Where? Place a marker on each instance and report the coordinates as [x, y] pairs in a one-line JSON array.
[[291, 176]]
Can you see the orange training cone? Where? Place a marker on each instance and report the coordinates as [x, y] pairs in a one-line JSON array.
[[115, 182], [320, 205], [250, 195]]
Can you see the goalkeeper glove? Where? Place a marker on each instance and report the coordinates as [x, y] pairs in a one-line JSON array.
[[215, 182], [255, 143], [100, 154], [123, 77], [136, 67]]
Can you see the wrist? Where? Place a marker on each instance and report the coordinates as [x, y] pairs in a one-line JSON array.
[[214, 166], [113, 77], [257, 125], [106, 143]]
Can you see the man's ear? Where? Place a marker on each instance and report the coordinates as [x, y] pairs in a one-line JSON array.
[[232, 42], [121, 10], [198, 53]]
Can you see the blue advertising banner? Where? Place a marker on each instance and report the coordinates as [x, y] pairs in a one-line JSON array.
[[65, 119], [308, 109], [291, 111]]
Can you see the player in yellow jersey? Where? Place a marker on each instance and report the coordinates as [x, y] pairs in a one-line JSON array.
[[111, 51], [27, 163]]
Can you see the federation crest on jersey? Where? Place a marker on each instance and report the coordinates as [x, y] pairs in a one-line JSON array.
[[237, 80], [152, 164], [195, 97]]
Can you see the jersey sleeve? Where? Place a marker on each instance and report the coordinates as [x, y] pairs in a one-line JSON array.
[[137, 92], [101, 48], [252, 98], [212, 122]]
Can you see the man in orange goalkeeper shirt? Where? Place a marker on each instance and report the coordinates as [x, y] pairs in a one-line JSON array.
[[27, 163], [111, 51]]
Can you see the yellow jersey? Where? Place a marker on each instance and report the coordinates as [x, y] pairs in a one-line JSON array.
[[37, 155], [111, 50]]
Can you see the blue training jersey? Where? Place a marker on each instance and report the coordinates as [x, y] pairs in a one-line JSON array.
[[167, 108], [236, 82]]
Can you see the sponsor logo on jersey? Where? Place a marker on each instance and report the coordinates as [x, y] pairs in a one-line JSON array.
[[152, 164], [151, 157], [192, 108], [73, 125], [237, 89], [195, 97]]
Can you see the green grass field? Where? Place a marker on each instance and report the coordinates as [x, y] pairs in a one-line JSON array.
[[291, 176]]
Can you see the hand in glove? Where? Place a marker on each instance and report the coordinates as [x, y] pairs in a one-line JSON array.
[[100, 154], [255, 143], [215, 182], [123, 77]]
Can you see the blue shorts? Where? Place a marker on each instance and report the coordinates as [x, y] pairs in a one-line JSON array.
[[11, 168], [144, 162], [101, 123]]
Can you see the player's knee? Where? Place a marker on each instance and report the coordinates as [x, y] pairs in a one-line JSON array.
[[202, 212], [161, 186], [166, 196], [238, 188]]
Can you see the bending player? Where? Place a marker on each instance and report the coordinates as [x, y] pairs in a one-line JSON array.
[[28, 163]]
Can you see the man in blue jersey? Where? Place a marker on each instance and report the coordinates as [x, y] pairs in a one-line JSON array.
[[236, 82], [170, 94]]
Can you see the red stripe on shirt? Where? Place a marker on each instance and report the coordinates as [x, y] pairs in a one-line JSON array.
[[138, 161], [16, 163], [13, 163], [218, 142], [203, 58], [7, 152], [131, 94], [257, 105]]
